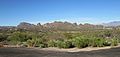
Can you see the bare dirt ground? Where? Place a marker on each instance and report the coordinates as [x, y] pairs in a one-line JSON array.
[[76, 49], [29, 52]]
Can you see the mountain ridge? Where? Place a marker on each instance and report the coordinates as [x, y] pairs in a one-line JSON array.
[[58, 25], [113, 23]]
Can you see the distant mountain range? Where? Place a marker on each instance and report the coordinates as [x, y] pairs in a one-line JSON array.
[[57, 25], [113, 24]]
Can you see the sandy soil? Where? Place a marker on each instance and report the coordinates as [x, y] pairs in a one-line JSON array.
[[74, 49], [30, 52]]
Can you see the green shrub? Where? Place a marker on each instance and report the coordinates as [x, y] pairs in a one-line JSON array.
[[30, 43], [42, 45], [63, 44], [98, 42], [52, 43], [24, 44], [107, 42], [80, 42], [114, 42]]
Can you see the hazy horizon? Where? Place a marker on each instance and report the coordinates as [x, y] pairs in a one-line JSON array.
[[12, 12]]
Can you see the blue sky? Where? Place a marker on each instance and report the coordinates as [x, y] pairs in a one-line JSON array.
[[12, 12]]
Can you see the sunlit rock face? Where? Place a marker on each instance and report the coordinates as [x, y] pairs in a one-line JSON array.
[[61, 25], [25, 25], [58, 25]]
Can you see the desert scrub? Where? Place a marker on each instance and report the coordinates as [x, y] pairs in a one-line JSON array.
[[98, 42], [114, 42], [52, 43], [80, 42], [63, 44], [107, 42]]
